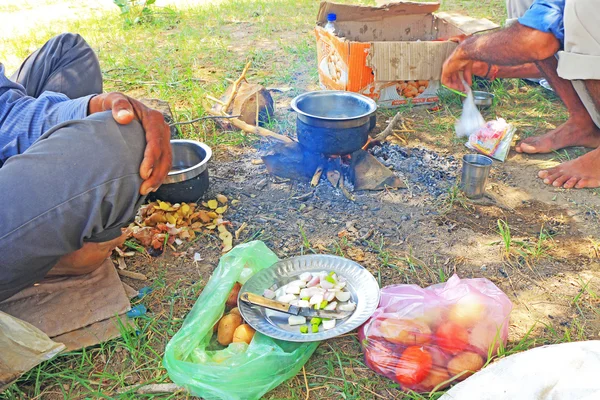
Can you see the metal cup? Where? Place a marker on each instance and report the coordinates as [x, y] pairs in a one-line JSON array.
[[475, 171]]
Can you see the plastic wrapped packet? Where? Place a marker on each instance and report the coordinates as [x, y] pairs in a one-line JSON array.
[[239, 371], [493, 139], [425, 339], [470, 120]]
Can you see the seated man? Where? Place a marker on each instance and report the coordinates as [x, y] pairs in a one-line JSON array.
[[74, 164], [527, 49]]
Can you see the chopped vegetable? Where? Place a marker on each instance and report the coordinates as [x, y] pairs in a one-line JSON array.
[[331, 306], [296, 320], [315, 328], [330, 279], [323, 304], [315, 321], [328, 324], [306, 276], [269, 294], [304, 329], [347, 307], [316, 299], [303, 303], [342, 296], [286, 298]]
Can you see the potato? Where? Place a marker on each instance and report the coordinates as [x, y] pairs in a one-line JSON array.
[[235, 310], [243, 333], [468, 310], [483, 335], [466, 361], [435, 377], [406, 332], [233, 295], [421, 89], [423, 83], [227, 327]]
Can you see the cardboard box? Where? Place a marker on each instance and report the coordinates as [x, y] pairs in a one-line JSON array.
[[392, 53]]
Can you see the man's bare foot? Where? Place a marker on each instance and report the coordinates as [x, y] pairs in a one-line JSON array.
[[87, 259], [574, 132], [583, 172]]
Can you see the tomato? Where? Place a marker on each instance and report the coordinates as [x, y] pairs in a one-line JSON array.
[[414, 366], [380, 357], [452, 337]]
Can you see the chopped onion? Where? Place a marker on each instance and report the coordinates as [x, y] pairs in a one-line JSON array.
[[329, 296], [300, 283], [314, 281], [303, 303], [331, 306], [305, 277], [269, 294], [296, 320], [326, 284], [350, 306], [286, 298], [292, 289], [316, 299], [328, 324], [342, 296]]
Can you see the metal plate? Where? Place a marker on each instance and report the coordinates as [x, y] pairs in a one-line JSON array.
[[361, 284]]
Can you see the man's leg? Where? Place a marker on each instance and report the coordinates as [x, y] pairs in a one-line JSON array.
[[579, 130], [78, 183], [65, 64], [580, 62]]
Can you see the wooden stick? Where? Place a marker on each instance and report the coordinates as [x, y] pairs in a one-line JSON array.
[[317, 176], [388, 131], [132, 275], [236, 86], [256, 120], [255, 129], [215, 99], [152, 389]]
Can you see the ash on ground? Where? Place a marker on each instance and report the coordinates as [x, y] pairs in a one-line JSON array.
[[422, 168]]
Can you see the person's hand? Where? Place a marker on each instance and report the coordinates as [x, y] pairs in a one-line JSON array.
[[454, 66], [458, 38], [157, 156]]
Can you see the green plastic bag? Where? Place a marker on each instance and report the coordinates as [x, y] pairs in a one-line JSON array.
[[239, 371]]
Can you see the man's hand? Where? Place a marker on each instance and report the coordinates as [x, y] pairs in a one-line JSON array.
[[157, 156], [454, 66]]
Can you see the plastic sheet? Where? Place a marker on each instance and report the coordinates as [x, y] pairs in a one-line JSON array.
[[426, 338], [196, 362]]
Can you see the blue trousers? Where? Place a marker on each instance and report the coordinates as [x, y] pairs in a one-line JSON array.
[[78, 182]]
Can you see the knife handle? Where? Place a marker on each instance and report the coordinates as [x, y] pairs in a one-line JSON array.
[[264, 302]]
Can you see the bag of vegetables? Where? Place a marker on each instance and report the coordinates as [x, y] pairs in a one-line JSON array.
[[425, 339], [195, 358]]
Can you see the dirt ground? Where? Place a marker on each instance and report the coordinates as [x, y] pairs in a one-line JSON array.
[[422, 234]]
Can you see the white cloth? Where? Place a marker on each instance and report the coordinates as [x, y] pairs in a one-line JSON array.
[[516, 9], [567, 371], [580, 59]]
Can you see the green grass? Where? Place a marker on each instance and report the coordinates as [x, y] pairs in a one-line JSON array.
[[183, 55]]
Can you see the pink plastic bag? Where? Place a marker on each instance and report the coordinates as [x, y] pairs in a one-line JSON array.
[[426, 338]]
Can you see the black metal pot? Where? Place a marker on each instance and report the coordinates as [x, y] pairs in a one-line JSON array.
[[188, 179], [334, 122]]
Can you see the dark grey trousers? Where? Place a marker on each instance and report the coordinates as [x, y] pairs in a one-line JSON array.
[[78, 182]]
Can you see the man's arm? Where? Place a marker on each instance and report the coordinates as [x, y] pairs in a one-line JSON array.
[[514, 46], [24, 119]]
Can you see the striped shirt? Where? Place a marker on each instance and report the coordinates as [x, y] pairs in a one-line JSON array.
[[23, 119]]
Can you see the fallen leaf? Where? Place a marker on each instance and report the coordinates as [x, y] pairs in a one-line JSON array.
[[235, 202], [212, 204], [204, 217], [222, 199], [221, 210], [356, 254], [212, 215], [342, 233]]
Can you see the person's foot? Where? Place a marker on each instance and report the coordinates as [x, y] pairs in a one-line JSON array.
[[574, 132], [583, 172]]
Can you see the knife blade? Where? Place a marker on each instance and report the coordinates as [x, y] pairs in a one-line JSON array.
[[261, 301]]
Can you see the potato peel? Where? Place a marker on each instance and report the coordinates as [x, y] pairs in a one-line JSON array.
[[159, 223]]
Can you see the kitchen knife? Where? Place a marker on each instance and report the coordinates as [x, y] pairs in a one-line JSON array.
[[261, 301]]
